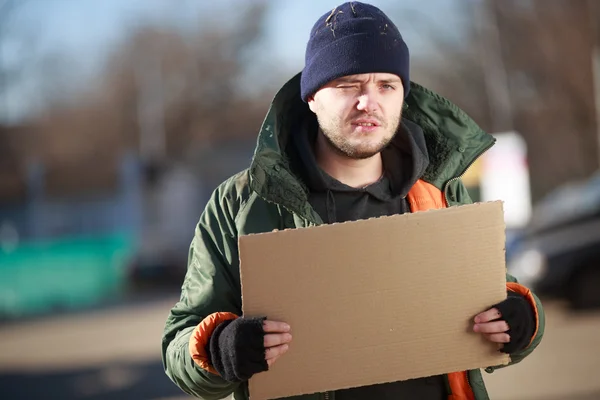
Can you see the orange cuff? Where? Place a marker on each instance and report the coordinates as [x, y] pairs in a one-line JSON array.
[[522, 290], [201, 336]]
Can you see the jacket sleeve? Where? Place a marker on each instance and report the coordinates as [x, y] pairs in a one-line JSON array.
[[211, 285]]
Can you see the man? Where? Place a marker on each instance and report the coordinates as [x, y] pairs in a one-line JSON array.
[[349, 138]]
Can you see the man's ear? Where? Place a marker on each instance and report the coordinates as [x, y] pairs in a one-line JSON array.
[[311, 103]]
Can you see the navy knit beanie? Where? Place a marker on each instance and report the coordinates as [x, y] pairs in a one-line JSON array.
[[354, 38]]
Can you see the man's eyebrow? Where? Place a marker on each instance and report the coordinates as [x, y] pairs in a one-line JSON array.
[[356, 80], [390, 80], [348, 80]]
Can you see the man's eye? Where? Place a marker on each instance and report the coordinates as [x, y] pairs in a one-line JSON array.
[[389, 87]]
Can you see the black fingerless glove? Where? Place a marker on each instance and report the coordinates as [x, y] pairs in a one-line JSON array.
[[519, 315], [236, 349]]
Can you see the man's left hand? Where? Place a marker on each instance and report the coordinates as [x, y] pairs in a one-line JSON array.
[[491, 326], [511, 322]]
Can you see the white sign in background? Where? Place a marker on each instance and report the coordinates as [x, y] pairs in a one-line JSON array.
[[505, 176]]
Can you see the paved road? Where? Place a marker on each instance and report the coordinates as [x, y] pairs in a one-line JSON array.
[[114, 354]]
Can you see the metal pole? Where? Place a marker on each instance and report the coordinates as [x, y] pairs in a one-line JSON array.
[[150, 106]]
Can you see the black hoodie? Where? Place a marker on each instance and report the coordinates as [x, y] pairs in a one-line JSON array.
[[405, 161]]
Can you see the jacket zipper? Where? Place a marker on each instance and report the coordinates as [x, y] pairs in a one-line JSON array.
[[326, 396], [465, 170], [469, 381]]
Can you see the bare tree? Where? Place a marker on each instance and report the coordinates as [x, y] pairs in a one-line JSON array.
[[547, 47], [163, 91], [453, 65], [196, 84]]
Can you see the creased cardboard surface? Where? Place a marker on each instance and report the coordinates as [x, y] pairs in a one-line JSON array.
[[379, 300]]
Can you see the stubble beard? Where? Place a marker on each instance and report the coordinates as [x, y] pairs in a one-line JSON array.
[[344, 147]]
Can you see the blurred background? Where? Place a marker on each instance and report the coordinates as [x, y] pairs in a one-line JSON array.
[[119, 117]]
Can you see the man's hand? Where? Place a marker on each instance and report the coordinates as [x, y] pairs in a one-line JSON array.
[[511, 322], [277, 337], [242, 347], [491, 326]]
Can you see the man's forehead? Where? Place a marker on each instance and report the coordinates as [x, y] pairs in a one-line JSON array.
[[378, 76]]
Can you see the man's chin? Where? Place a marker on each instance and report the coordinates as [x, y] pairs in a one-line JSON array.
[[362, 152], [357, 148], [364, 155]]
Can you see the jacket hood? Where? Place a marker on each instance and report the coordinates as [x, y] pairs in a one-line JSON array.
[[453, 142]]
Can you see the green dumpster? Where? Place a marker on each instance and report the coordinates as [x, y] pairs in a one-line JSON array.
[[63, 273]]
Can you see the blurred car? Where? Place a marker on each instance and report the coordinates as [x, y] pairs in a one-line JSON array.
[[558, 254]]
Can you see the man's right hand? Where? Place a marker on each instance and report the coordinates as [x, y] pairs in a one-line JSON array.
[[242, 347], [277, 337]]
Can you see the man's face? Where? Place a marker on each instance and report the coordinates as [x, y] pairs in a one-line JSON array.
[[359, 114]]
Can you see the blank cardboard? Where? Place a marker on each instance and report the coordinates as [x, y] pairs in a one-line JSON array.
[[378, 300]]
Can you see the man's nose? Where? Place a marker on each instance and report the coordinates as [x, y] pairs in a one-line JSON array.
[[367, 101]]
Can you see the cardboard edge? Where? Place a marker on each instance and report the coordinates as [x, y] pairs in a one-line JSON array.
[[505, 361], [405, 215]]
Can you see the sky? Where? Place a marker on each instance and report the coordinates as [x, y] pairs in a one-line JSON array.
[[85, 30]]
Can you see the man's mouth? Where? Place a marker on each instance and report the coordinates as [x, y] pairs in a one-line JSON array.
[[366, 122]]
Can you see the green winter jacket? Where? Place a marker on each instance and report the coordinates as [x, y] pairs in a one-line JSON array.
[[269, 196]]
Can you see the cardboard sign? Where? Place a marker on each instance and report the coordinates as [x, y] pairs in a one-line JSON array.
[[378, 300]]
